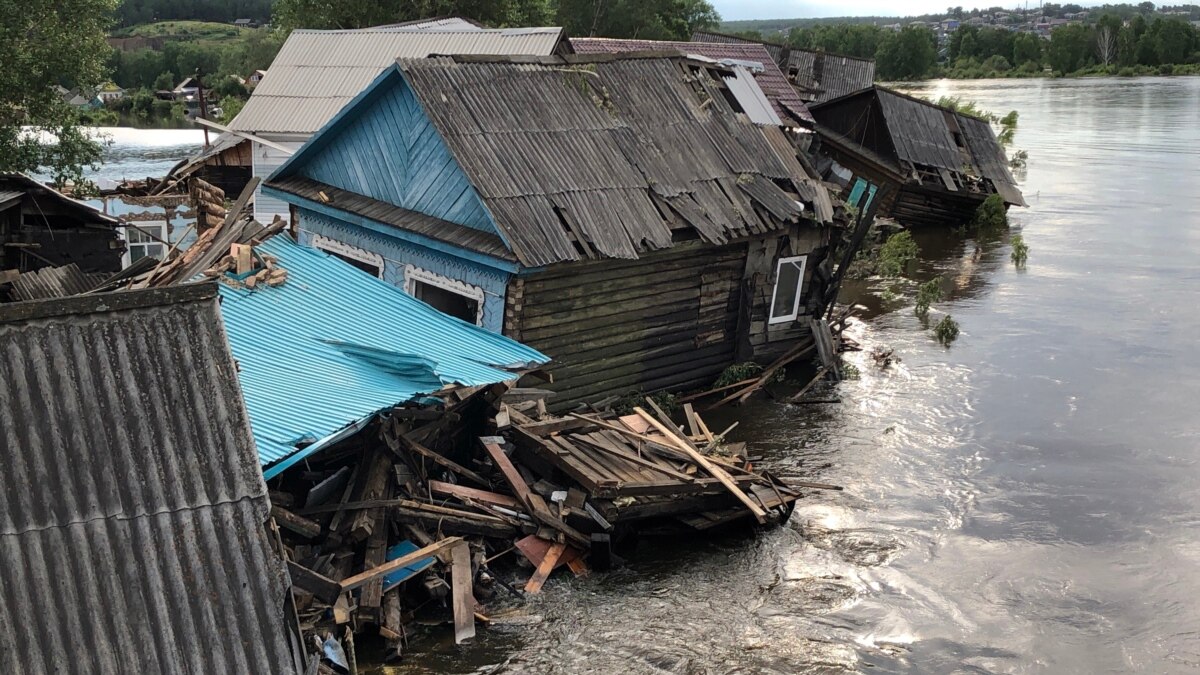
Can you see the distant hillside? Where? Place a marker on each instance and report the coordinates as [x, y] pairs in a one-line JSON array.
[[186, 31], [780, 27]]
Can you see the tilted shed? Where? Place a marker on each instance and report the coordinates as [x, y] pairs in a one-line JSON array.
[[939, 164]]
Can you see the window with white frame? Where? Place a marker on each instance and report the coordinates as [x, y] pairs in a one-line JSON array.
[[449, 296], [371, 263], [789, 286], [144, 239]]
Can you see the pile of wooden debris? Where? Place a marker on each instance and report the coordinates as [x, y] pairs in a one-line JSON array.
[[431, 508]]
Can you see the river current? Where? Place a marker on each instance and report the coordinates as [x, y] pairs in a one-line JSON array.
[[1025, 500]]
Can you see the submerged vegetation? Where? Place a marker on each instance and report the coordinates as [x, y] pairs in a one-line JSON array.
[[929, 293], [992, 215], [897, 253], [946, 330], [1020, 250]]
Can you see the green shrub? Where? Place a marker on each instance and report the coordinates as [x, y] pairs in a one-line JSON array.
[[991, 215], [946, 330], [929, 293], [738, 372], [1020, 250], [896, 254]]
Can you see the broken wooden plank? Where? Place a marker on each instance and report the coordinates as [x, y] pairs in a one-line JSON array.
[[322, 587], [437, 548], [462, 593], [535, 583], [804, 390], [295, 524], [425, 452], [438, 487], [713, 470]]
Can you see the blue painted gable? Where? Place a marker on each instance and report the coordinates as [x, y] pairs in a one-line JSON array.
[[383, 146]]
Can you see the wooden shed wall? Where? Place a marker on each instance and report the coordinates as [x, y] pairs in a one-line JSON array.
[[668, 320]]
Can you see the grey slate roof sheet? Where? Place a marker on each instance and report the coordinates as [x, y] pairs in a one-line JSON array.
[[581, 157], [771, 80], [131, 529], [317, 72], [51, 282], [828, 76]]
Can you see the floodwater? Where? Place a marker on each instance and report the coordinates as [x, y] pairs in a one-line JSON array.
[[1026, 500], [131, 154]]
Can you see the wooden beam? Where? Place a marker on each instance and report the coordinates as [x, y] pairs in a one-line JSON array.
[[534, 585], [425, 452], [295, 524], [714, 470], [436, 549], [461, 592], [437, 487], [322, 587]]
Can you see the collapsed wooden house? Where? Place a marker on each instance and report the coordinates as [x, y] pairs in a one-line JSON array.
[[618, 212], [938, 165], [41, 227]]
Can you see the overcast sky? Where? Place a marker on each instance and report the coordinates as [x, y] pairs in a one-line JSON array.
[[732, 10]]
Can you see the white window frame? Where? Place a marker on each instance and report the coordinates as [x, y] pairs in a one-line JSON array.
[[162, 230], [413, 274], [791, 260], [353, 252]]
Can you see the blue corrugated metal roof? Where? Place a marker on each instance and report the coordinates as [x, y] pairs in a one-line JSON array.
[[333, 345]]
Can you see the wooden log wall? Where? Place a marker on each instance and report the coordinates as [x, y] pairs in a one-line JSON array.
[[668, 320]]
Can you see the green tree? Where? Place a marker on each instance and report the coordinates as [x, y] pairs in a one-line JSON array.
[[228, 86], [165, 81], [291, 14], [230, 107], [1070, 48], [645, 19], [1174, 40], [908, 55], [47, 42], [1027, 47]]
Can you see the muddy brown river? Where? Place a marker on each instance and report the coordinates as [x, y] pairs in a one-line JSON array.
[[1026, 500]]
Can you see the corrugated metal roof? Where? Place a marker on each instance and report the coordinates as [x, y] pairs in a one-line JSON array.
[[389, 214], [919, 132], [333, 345], [582, 157], [776, 51], [317, 72], [990, 158], [826, 76], [51, 282], [771, 80], [131, 529], [20, 185]]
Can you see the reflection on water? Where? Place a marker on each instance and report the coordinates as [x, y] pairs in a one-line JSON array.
[[1024, 501]]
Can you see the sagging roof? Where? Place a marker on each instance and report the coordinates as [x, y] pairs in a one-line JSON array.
[[824, 76], [317, 72], [333, 345], [821, 76], [600, 156], [772, 81], [923, 133], [396, 216], [132, 528], [16, 186]]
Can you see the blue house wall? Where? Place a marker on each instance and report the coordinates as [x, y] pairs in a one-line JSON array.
[[385, 147], [397, 253]]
